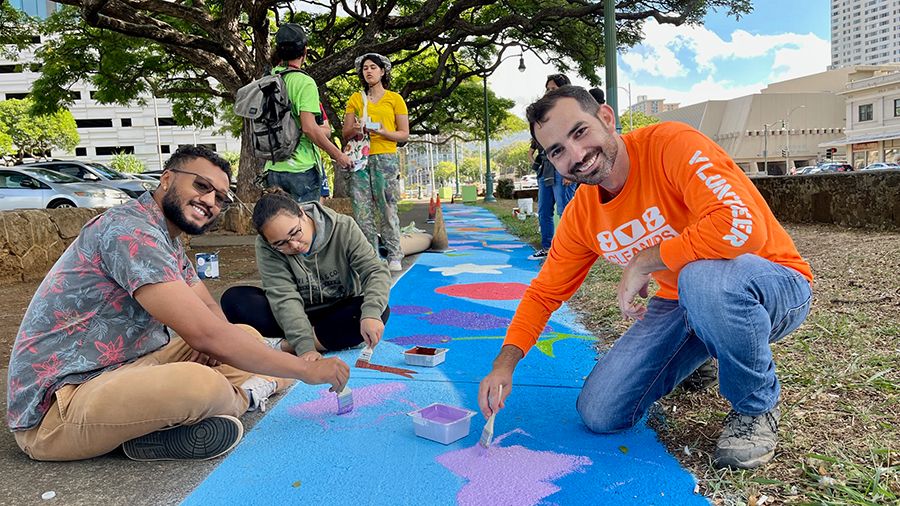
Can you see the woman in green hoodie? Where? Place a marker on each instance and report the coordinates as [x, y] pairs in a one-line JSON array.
[[324, 287]]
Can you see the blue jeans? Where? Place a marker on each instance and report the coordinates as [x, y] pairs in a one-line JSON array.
[[304, 186], [557, 195], [728, 309]]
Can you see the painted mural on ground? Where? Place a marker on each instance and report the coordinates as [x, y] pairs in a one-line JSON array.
[[542, 454]]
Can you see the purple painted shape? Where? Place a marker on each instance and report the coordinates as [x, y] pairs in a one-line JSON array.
[[420, 339], [465, 247], [410, 309], [505, 246], [327, 404], [456, 242], [466, 320], [512, 475]]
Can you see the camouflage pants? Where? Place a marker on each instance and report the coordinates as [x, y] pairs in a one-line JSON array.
[[375, 192]]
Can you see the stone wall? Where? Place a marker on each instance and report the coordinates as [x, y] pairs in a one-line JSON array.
[[850, 199], [31, 240]]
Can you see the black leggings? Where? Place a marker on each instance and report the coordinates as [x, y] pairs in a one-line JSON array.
[[336, 325]]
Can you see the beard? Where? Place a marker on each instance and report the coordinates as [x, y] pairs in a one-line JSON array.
[[173, 210], [606, 157]]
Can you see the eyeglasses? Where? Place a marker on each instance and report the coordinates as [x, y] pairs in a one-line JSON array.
[[204, 186], [294, 236]]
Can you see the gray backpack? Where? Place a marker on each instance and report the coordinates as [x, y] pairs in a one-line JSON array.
[[265, 103]]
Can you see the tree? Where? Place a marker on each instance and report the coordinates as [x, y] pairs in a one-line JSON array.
[[637, 118], [513, 159], [444, 171], [16, 30], [199, 53], [35, 135]]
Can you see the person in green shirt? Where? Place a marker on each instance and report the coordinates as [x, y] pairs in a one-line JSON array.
[[299, 175]]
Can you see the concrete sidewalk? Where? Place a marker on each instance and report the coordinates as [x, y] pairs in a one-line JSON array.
[[113, 479]]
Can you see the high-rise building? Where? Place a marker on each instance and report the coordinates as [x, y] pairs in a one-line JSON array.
[[864, 32], [652, 106]]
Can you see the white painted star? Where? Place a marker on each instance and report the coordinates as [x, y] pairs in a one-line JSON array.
[[470, 269]]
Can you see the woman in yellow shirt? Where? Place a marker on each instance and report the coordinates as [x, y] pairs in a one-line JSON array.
[[376, 188]]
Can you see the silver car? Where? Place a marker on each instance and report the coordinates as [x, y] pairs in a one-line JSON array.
[[98, 173], [36, 187]]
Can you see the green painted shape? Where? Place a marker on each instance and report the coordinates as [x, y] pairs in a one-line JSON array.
[[544, 345]]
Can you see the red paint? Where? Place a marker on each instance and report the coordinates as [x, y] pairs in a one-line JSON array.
[[485, 291], [422, 350], [406, 373]]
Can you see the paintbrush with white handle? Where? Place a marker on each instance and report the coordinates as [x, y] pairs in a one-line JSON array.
[[488, 433]]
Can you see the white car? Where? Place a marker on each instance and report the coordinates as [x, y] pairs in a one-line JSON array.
[[35, 187], [528, 182], [881, 166]]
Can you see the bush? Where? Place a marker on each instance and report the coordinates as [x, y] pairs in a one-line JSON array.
[[127, 163], [505, 188], [234, 158]]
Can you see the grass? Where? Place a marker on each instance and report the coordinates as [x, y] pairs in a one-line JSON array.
[[840, 374]]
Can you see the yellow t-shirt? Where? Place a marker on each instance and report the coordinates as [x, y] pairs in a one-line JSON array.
[[384, 111]]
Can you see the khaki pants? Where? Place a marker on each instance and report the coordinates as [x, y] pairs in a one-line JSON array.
[[156, 391]]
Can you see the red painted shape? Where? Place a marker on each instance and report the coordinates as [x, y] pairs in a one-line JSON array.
[[485, 291], [406, 373]]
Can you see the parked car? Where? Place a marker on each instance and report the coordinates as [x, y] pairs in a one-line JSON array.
[[528, 182], [823, 168], [799, 171], [37, 187], [881, 166], [98, 173]]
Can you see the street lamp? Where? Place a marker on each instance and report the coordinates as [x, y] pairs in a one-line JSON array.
[[787, 152], [766, 127], [630, 112], [488, 178]]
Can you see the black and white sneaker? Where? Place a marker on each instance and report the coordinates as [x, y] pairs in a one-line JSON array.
[[540, 254], [207, 439]]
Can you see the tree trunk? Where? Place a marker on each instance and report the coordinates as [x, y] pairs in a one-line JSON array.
[[250, 168]]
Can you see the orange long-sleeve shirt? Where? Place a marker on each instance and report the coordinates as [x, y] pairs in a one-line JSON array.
[[684, 193]]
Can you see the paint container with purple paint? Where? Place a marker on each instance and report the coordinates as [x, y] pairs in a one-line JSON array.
[[425, 356], [442, 423]]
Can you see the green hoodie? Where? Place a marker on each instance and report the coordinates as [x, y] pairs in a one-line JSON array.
[[340, 264]]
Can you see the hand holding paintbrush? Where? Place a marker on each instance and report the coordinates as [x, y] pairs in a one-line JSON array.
[[488, 433]]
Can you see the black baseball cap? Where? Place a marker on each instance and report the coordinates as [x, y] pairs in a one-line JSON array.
[[291, 33]]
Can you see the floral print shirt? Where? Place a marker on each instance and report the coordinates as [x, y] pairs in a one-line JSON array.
[[83, 319]]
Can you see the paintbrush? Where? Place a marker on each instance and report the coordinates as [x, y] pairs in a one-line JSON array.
[[488, 433], [345, 401], [366, 354]]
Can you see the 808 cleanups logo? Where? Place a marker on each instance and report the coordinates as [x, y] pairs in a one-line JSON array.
[[619, 246]]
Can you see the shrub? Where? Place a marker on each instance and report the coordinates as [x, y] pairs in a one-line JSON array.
[[505, 188], [127, 163]]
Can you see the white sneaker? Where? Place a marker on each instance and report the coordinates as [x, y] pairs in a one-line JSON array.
[[259, 390], [274, 342], [395, 266]]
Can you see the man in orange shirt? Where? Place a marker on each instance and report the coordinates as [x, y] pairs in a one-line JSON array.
[[664, 202]]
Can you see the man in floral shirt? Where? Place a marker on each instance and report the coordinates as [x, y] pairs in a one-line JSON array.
[[93, 366]]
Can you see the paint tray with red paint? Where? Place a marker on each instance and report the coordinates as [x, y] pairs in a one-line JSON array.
[[424, 356], [442, 423]]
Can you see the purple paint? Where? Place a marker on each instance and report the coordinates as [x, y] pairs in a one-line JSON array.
[[420, 339], [441, 413], [512, 475], [327, 404], [465, 320], [410, 310]]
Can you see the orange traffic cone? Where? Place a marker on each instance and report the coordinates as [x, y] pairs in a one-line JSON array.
[[431, 210]]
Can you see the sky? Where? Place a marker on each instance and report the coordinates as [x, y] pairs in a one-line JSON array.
[[721, 59]]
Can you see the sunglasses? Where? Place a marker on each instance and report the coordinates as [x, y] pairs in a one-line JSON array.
[[203, 186], [294, 236]]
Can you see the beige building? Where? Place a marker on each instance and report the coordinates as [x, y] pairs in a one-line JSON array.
[[872, 108], [652, 107], [782, 127]]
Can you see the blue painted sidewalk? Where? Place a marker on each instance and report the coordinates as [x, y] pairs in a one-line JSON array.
[[542, 454]]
